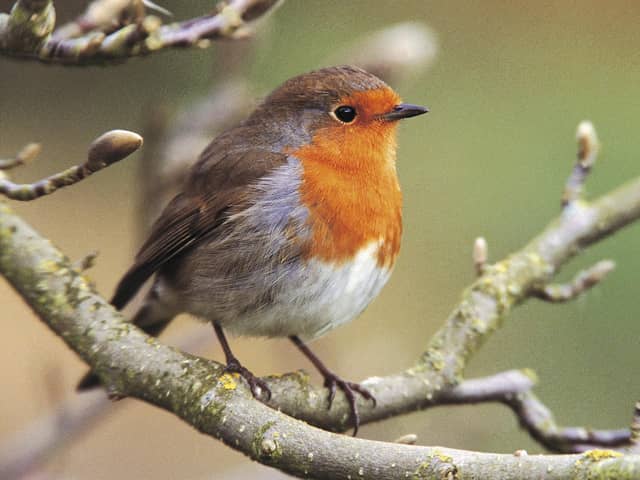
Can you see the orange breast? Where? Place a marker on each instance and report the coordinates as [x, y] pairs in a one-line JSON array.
[[351, 190]]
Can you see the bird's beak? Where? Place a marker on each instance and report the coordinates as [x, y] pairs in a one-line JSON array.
[[403, 110]]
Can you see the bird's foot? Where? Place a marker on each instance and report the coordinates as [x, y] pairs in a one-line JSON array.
[[332, 381], [257, 385]]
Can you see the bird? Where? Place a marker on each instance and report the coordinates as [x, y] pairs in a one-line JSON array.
[[288, 225]]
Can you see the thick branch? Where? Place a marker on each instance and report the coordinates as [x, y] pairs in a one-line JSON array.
[[53, 431], [70, 418], [27, 32]]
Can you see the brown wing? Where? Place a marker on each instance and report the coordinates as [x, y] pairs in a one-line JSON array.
[[217, 183]]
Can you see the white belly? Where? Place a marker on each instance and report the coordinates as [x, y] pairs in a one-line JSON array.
[[317, 299]]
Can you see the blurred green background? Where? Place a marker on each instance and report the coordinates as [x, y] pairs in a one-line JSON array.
[[511, 82]]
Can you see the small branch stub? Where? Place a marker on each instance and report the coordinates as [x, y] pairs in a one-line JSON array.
[[480, 255], [588, 145], [86, 262], [588, 148], [408, 439]]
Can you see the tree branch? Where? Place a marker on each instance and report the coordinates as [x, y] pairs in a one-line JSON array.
[[512, 388], [21, 454], [112, 30]]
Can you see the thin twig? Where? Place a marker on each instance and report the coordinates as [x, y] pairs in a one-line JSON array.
[[513, 388], [24, 156], [583, 281], [539, 422], [104, 151]]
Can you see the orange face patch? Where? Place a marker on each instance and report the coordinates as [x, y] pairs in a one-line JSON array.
[[349, 184], [371, 103]]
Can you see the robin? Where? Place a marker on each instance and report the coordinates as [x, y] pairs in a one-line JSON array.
[[288, 225]]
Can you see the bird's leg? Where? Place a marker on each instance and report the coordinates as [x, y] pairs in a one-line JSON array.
[[256, 384], [331, 381]]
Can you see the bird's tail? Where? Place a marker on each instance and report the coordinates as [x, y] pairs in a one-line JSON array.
[[151, 319]]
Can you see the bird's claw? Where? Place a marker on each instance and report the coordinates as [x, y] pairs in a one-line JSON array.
[[349, 388], [256, 384]]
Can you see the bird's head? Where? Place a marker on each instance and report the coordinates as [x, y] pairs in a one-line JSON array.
[[344, 112]]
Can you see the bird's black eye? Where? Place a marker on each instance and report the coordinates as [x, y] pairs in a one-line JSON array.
[[345, 113]]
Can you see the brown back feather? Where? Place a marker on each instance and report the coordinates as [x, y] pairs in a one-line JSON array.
[[217, 183]]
